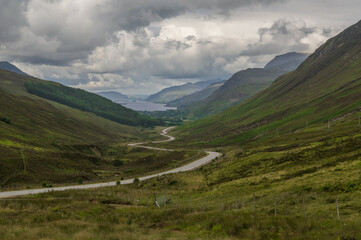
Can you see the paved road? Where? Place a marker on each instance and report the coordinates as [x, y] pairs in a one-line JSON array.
[[191, 166]]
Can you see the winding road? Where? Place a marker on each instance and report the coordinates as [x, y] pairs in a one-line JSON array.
[[191, 166]]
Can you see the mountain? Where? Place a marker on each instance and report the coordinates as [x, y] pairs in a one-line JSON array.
[[114, 96], [44, 140], [172, 93], [10, 67], [195, 97], [89, 102], [244, 84], [325, 87], [287, 62]]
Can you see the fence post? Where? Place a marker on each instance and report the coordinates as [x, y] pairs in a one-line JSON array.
[[203, 204], [190, 202], [275, 206], [253, 203], [219, 202], [165, 200], [176, 201], [303, 207], [236, 203], [155, 199], [338, 211]]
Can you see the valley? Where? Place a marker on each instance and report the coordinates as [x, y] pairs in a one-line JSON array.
[[272, 152]]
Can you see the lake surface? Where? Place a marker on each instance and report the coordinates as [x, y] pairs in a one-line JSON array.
[[145, 106]]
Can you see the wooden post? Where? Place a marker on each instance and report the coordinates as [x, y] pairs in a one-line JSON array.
[[236, 203], [165, 200], [275, 206], [190, 202], [303, 207], [253, 203], [338, 211], [155, 199], [204, 207], [219, 202], [176, 201], [23, 157]]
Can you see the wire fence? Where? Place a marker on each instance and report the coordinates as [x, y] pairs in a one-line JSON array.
[[301, 206]]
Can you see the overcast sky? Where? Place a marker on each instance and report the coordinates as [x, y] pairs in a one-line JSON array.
[[142, 46]]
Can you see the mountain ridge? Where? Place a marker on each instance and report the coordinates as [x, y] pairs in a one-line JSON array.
[[244, 84], [169, 94], [113, 95], [12, 68], [325, 86]]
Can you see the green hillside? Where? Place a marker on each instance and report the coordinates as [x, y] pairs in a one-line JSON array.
[[326, 86], [42, 140], [245, 84], [89, 102]]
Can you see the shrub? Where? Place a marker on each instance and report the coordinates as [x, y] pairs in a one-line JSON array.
[[46, 185], [80, 181], [5, 120], [117, 183], [136, 180], [117, 163]]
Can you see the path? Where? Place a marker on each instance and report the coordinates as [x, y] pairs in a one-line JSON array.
[[191, 166]]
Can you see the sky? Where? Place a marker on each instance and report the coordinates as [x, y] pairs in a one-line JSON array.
[[141, 47]]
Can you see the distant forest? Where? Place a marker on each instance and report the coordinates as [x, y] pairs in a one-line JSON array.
[[90, 102]]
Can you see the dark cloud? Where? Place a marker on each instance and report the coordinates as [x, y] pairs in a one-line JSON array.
[[286, 35], [78, 28], [11, 19], [153, 43], [132, 14]]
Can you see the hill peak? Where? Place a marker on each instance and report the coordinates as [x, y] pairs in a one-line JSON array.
[[12, 68], [287, 62]]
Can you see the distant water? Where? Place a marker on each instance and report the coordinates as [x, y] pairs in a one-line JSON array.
[[145, 106]]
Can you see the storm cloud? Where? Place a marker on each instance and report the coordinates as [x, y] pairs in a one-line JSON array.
[[141, 46]]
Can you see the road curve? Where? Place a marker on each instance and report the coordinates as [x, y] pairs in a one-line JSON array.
[[191, 166]]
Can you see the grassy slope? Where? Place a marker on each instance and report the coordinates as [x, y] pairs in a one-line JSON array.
[[240, 87], [48, 141], [245, 84], [326, 86], [89, 102]]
